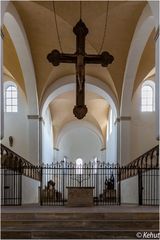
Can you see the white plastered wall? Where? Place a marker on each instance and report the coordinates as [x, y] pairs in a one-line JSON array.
[[30, 190], [143, 127], [16, 125], [111, 141], [80, 142], [129, 190]]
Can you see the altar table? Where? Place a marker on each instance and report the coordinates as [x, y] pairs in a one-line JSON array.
[[80, 196]]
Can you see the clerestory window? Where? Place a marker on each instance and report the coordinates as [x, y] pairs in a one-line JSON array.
[[148, 97], [79, 165], [11, 98]]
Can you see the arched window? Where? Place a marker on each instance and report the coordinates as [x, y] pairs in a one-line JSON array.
[[11, 98], [95, 164], [147, 97], [79, 165]]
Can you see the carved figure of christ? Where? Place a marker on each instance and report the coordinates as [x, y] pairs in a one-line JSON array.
[[80, 58]]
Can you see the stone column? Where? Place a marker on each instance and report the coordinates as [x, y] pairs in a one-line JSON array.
[[1, 89], [33, 138], [103, 155], [56, 154], [157, 79], [117, 124], [125, 140], [41, 122]]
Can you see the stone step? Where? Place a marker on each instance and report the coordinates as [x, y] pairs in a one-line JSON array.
[[72, 234], [77, 224], [80, 216]]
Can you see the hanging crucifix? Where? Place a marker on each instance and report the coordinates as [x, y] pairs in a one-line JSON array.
[[80, 58]]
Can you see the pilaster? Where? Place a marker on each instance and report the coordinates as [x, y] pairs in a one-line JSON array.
[[34, 138], [157, 80], [1, 88], [103, 154], [124, 139]]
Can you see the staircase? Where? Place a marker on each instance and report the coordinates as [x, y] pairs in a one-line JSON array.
[[77, 225]]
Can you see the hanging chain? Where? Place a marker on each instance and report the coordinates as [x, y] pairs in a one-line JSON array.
[[55, 18], [105, 27], [80, 9], [80, 13]]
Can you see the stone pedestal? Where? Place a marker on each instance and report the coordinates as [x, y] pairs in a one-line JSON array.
[[80, 196], [109, 194]]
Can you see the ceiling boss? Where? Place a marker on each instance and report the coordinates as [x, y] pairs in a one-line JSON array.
[[80, 58]]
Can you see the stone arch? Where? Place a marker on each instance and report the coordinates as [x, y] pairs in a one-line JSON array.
[[16, 30], [154, 7], [145, 24], [66, 84], [76, 124]]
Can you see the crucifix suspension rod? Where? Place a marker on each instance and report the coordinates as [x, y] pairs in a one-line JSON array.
[[80, 58]]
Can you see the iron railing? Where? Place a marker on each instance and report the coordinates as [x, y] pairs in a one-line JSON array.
[[104, 178], [11, 187], [11, 160], [58, 177], [146, 168], [148, 160]]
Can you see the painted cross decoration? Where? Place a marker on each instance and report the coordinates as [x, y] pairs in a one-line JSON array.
[[80, 58]]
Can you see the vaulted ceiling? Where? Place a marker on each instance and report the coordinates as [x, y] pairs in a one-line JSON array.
[[39, 23], [62, 111], [11, 62]]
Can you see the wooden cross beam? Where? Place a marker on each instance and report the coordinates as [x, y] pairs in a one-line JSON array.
[[80, 58]]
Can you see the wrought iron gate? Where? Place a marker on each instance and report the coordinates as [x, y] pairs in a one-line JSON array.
[[56, 178], [11, 187], [149, 186]]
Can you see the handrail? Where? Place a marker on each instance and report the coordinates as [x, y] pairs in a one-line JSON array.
[[13, 161], [148, 160]]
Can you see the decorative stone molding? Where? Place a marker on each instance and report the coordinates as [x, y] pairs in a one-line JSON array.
[[56, 149], [34, 117], [156, 34], [123, 118], [103, 149]]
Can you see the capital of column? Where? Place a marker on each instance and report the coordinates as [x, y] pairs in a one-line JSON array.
[[35, 117], [103, 149], [56, 149], [123, 118]]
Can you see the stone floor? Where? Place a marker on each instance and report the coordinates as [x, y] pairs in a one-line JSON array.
[[98, 222], [97, 209]]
